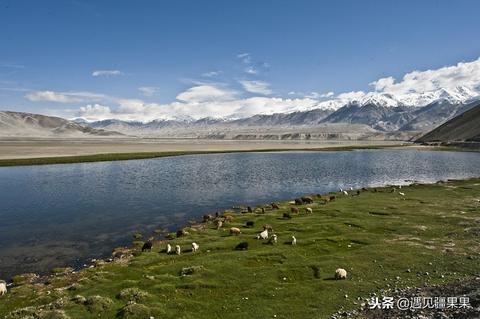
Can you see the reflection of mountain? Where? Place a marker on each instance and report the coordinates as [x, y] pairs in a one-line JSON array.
[[35, 125], [463, 128]]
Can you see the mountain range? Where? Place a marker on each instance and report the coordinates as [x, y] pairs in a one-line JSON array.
[[375, 115]]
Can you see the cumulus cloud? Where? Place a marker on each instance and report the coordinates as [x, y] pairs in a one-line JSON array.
[[259, 87], [148, 90], [95, 112], [106, 73], [63, 97], [205, 93], [462, 74]]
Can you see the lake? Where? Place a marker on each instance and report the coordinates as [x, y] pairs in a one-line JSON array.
[[58, 215]]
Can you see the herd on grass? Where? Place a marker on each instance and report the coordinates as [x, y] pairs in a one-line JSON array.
[[266, 233]]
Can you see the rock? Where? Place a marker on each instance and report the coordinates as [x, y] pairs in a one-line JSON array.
[[133, 294], [186, 271]]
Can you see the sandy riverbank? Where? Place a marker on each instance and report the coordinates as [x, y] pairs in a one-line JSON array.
[[35, 148]]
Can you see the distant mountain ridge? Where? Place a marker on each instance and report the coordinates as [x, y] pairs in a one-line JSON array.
[[463, 128], [20, 124]]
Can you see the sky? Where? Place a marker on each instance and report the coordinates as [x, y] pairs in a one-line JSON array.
[[141, 60]]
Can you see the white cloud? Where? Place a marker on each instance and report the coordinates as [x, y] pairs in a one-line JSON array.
[[258, 87], [327, 94], [251, 70], [204, 93], [63, 97], [96, 112], [462, 74], [106, 73], [211, 74], [148, 90], [353, 95], [245, 57]]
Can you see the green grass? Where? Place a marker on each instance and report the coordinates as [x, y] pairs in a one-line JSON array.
[[146, 155], [376, 237]]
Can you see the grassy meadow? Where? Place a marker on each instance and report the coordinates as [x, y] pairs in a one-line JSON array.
[[383, 239]]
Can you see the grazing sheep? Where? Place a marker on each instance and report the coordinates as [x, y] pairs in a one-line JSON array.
[[147, 246], [242, 246], [308, 210], [207, 218], [249, 209], [307, 200], [331, 198], [3, 287], [345, 193], [298, 201], [263, 234], [294, 210], [267, 227], [402, 194], [195, 247], [275, 206], [340, 273], [178, 250], [273, 240], [169, 249], [228, 218], [294, 241], [287, 216], [235, 231], [219, 224]]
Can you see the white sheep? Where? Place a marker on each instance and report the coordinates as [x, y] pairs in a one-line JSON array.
[[263, 234], [340, 273], [351, 188], [345, 193], [169, 248], [294, 241], [402, 194], [195, 247], [273, 239], [3, 287], [178, 250], [308, 210], [235, 231]]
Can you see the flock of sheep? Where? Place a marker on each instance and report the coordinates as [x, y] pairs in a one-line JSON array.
[[265, 234]]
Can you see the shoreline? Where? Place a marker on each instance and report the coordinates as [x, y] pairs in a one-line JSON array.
[[108, 157], [68, 279]]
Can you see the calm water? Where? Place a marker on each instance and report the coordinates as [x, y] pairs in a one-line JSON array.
[[64, 214]]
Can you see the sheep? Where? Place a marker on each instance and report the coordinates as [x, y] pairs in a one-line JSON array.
[[340, 273], [275, 206], [287, 216], [219, 224], [195, 247], [3, 287], [273, 239], [358, 193], [401, 194], [147, 246], [242, 246], [294, 241], [345, 193], [178, 250], [263, 234], [294, 210], [298, 201], [207, 218], [351, 188], [307, 200], [249, 209], [267, 227], [169, 249], [308, 210], [331, 198], [250, 223], [228, 218], [235, 231]]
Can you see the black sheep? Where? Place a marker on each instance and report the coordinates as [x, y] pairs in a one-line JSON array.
[[147, 246], [242, 246]]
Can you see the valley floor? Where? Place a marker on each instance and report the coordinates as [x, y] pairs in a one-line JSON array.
[[388, 242], [16, 151]]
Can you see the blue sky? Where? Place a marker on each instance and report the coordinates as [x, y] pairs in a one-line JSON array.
[[152, 52]]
